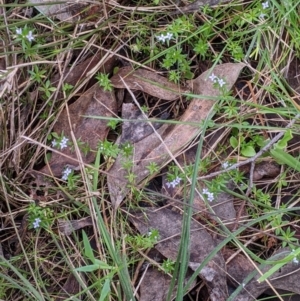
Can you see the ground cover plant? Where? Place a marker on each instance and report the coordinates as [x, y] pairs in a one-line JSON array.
[[149, 150]]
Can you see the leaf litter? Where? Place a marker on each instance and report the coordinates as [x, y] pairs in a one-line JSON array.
[[159, 143], [169, 140]]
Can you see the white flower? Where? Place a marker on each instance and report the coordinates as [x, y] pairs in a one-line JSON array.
[[225, 164], [205, 191], [295, 260], [66, 173], [19, 31], [54, 143], [29, 36], [210, 197], [213, 78], [265, 4], [221, 82], [262, 16], [173, 183], [169, 36], [64, 142], [163, 38], [36, 223]]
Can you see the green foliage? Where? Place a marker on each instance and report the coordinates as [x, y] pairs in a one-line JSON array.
[[140, 242], [113, 124], [47, 89], [108, 149], [247, 143], [168, 266], [153, 168], [37, 74], [45, 214], [104, 81]]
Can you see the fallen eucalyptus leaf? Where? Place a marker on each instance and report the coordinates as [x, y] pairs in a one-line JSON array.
[[148, 82], [155, 285], [89, 131], [170, 140], [287, 278], [71, 11], [169, 225]]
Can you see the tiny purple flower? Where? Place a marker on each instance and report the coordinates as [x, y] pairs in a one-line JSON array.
[[19, 31]]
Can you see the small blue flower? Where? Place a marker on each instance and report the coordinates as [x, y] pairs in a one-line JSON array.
[[66, 173], [173, 183], [163, 38], [36, 223], [64, 143], [30, 36], [265, 5], [54, 143], [19, 31], [213, 78], [210, 195], [225, 164], [221, 82]]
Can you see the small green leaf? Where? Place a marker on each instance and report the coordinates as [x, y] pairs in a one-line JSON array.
[[88, 268], [105, 290], [102, 264], [282, 143], [233, 142], [283, 157], [87, 248], [279, 264], [248, 151]]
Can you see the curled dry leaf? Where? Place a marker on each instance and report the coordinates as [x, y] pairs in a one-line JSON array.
[[287, 278], [156, 285], [170, 140], [66, 227], [148, 82], [70, 11], [78, 71], [169, 225], [94, 101], [69, 289]]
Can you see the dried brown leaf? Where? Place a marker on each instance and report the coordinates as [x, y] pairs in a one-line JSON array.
[[68, 12], [175, 138], [156, 284], [169, 225], [94, 102], [287, 278], [148, 82], [74, 74]]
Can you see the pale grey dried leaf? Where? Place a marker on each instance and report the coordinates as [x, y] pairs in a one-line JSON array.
[[70, 11], [287, 278], [66, 227], [156, 284], [135, 126], [169, 225]]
